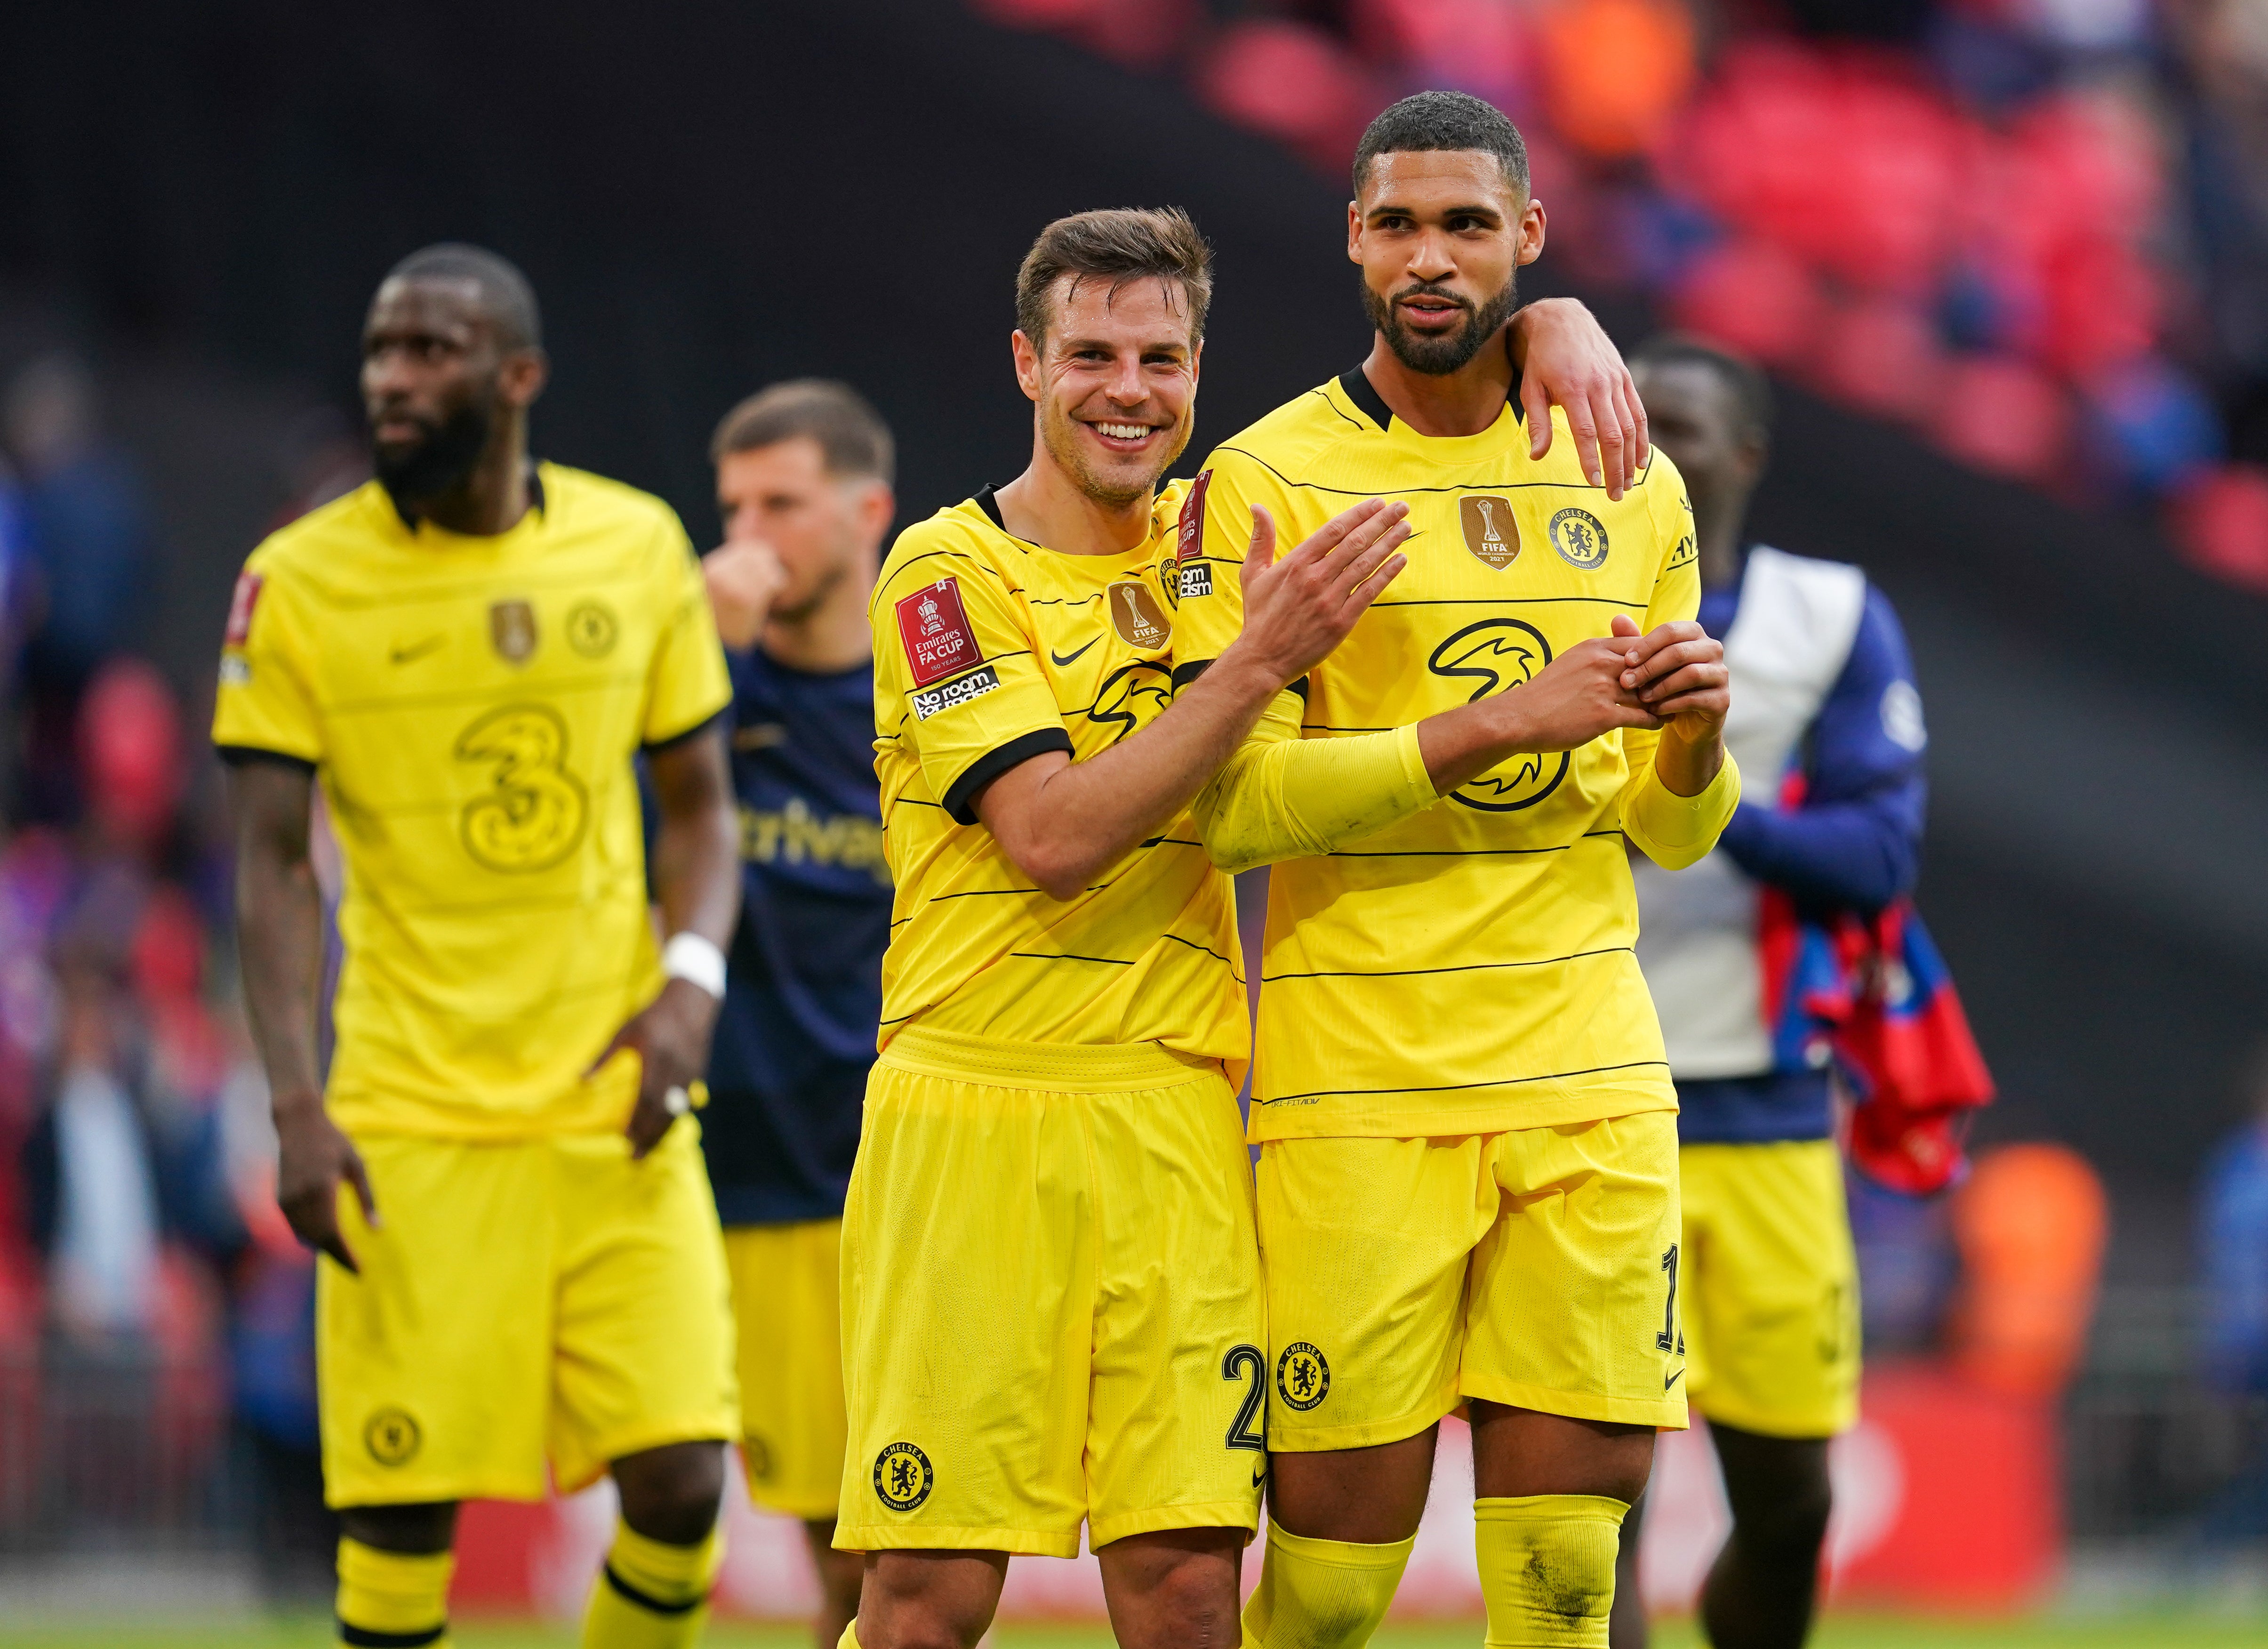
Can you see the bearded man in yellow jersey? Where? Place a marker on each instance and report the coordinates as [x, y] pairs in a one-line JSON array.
[[468, 654], [1050, 1294], [1468, 1180]]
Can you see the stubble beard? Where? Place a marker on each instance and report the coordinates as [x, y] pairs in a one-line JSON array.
[[1060, 433], [1438, 357]]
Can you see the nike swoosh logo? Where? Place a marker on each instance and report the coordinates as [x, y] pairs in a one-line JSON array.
[[1060, 660], [1259, 1476], [403, 655], [1672, 1380]]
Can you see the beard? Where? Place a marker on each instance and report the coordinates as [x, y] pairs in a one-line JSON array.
[[1438, 356], [441, 461], [1060, 430]]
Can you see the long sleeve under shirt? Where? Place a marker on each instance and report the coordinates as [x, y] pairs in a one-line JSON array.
[[1853, 842]]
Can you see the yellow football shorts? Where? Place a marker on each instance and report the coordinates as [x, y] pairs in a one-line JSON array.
[[1771, 1311], [1535, 1268], [520, 1301], [1051, 1304], [787, 1297]]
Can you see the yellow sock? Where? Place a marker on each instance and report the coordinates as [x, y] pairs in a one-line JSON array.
[[650, 1595], [1548, 1569], [390, 1601], [1321, 1594]]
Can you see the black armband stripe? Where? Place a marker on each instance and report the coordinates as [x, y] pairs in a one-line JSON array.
[[960, 801], [245, 754], [1185, 673], [699, 727]]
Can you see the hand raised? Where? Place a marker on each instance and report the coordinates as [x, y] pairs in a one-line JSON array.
[[1297, 609], [744, 579]]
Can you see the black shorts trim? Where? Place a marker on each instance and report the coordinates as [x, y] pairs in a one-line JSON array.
[[646, 1599], [368, 1638], [961, 800], [248, 754]]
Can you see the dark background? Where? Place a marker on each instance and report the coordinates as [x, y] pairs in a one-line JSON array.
[[707, 198]]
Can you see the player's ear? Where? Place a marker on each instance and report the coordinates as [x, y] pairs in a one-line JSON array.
[[523, 376], [1531, 230], [1026, 355], [1354, 231], [876, 508]]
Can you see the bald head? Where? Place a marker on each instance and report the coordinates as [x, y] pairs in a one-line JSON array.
[[500, 293]]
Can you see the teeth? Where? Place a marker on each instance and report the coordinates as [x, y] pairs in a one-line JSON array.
[[1125, 432]]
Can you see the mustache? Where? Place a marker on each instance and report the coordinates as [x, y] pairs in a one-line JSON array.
[[1429, 289], [445, 454]]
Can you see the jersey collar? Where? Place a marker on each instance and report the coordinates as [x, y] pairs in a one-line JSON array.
[[1363, 394]]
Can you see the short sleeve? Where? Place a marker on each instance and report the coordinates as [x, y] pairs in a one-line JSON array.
[[265, 705], [687, 684], [953, 664]]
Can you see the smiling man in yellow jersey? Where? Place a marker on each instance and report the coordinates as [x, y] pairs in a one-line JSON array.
[[1467, 1186], [1051, 1298]]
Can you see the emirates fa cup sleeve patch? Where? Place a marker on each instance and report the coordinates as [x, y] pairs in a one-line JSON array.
[[240, 609], [935, 628]]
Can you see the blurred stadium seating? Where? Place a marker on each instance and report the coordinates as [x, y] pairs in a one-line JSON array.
[[2033, 232]]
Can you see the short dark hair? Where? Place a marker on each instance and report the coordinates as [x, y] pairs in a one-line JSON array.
[[1128, 244], [1443, 120], [1751, 390], [506, 296], [852, 436]]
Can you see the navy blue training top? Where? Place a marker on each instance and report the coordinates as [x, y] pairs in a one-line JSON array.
[[1853, 844], [795, 1037]]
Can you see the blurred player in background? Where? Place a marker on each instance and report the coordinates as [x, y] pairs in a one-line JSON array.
[[1769, 1279], [467, 652], [804, 474], [1468, 1181], [1052, 1308]]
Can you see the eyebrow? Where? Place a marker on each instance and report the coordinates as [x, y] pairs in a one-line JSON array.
[[1180, 346], [1468, 207]]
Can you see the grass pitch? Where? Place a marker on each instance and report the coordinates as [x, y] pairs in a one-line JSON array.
[[1845, 1631]]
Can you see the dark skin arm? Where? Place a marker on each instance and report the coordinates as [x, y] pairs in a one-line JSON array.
[[697, 877], [279, 919]]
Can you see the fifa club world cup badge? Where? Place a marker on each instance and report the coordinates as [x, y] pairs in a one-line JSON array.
[[1490, 532], [511, 627], [935, 629], [1136, 615]]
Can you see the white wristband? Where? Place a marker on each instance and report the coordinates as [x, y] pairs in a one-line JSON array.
[[696, 960]]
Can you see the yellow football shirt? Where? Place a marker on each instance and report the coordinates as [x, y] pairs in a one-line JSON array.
[[1470, 969], [471, 707], [989, 649]]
